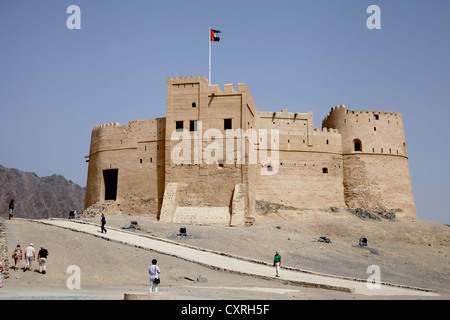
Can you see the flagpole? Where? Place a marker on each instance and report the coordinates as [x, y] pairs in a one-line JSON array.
[[209, 40]]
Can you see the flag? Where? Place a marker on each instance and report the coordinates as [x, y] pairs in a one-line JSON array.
[[214, 35]]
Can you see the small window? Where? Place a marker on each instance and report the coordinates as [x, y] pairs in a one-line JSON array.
[[151, 160], [193, 125], [220, 162], [327, 141], [140, 160], [324, 170], [179, 126], [357, 144], [376, 117], [227, 124], [269, 168], [194, 105], [374, 128]]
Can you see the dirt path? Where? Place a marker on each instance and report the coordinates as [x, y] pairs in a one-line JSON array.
[[110, 268]]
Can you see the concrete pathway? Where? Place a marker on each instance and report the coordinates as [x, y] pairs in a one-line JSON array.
[[240, 265]]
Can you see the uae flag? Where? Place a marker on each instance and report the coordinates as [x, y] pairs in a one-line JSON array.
[[214, 35]]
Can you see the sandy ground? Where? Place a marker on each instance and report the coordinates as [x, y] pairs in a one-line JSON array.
[[414, 253]]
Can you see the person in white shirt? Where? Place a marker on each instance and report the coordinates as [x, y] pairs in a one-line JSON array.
[[30, 256], [154, 271]]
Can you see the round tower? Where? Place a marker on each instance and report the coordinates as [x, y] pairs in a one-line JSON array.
[[376, 172]]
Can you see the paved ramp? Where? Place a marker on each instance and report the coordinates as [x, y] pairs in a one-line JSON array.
[[238, 264]]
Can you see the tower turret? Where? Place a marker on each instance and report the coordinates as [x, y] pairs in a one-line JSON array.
[[376, 171]]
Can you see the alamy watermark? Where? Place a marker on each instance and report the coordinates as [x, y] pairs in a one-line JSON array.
[[252, 147], [374, 21], [74, 20], [74, 280], [374, 281]]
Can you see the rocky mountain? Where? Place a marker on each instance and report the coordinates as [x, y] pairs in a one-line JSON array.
[[38, 197]]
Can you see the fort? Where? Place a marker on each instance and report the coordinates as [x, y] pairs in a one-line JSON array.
[[216, 159]]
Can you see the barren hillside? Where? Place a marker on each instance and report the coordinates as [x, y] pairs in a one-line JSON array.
[[38, 197]]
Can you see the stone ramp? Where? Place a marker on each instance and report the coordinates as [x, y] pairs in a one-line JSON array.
[[240, 265]]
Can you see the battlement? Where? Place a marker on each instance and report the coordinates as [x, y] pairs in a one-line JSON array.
[[107, 125], [326, 130], [212, 88], [342, 110], [186, 79]]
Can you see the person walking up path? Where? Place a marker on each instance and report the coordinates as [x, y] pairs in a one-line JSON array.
[[103, 221], [11, 209], [277, 263], [17, 255], [42, 259], [1, 270], [30, 256]]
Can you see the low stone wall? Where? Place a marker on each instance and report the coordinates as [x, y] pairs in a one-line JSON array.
[[4, 250]]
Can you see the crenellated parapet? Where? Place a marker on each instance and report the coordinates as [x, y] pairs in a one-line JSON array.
[[367, 131], [186, 79]]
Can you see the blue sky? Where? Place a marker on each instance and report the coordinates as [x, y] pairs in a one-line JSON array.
[[56, 84]]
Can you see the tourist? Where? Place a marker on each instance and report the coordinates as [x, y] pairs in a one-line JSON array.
[[1, 270], [42, 259], [17, 255], [103, 223], [154, 271], [11, 209], [30, 256], [277, 263]]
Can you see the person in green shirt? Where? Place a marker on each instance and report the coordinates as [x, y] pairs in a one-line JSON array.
[[277, 263]]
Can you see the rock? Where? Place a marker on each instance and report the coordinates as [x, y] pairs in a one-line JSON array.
[[202, 279], [191, 278], [364, 214], [322, 239]]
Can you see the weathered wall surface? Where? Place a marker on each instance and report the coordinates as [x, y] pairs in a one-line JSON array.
[[310, 169]]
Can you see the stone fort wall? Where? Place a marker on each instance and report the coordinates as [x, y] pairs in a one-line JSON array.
[[315, 168]]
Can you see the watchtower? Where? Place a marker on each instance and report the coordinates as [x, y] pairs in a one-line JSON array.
[[376, 172]]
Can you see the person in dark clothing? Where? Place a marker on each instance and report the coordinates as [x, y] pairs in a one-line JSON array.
[[42, 259], [11, 209], [103, 223]]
